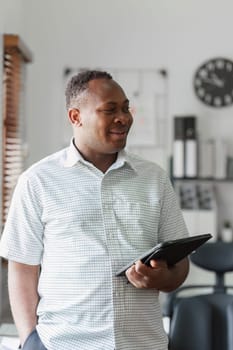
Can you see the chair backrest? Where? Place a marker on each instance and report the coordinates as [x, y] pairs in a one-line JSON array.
[[204, 321]]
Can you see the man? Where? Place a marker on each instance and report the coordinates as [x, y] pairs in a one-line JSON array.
[[76, 218]]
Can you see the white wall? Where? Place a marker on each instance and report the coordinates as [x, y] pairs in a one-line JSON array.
[[178, 35], [11, 16]]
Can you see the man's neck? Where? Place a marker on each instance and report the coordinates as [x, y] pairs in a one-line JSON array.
[[100, 161]]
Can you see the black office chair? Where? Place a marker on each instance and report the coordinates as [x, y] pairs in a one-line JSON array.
[[203, 321]]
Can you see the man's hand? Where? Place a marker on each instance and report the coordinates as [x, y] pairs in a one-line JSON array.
[[158, 275]]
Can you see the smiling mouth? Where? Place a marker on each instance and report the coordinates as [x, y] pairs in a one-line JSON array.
[[120, 135], [122, 132]]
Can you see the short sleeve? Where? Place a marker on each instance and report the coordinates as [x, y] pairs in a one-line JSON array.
[[22, 238], [171, 225]]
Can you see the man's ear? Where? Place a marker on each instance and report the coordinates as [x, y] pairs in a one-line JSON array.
[[74, 116]]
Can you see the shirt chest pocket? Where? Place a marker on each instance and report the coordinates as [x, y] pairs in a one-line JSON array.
[[138, 218]]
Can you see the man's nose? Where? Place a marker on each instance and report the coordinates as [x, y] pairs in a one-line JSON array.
[[123, 118]]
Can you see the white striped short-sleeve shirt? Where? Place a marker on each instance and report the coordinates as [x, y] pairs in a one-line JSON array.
[[82, 226]]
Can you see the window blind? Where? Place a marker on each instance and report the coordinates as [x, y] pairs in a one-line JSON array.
[[15, 55]]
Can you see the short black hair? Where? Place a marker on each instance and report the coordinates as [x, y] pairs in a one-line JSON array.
[[79, 83]]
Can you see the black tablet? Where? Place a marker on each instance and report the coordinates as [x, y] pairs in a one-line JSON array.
[[171, 251]]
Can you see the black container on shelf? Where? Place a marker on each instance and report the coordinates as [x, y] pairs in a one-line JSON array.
[[185, 147]]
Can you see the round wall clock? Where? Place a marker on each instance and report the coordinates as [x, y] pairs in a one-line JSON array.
[[213, 82]]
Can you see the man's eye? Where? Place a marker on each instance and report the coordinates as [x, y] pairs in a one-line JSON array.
[[109, 111]]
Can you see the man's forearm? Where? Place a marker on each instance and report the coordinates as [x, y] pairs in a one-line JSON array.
[[22, 284]]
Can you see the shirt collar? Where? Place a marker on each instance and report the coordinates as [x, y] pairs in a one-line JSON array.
[[73, 157]]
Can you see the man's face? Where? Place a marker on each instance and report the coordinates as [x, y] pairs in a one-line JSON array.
[[105, 119]]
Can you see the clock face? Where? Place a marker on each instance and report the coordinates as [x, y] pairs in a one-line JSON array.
[[213, 82]]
